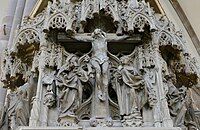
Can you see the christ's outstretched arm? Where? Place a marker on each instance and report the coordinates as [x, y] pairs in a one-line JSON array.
[[117, 38]]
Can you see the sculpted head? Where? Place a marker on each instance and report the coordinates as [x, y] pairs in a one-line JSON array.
[[98, 33], [125, 60]]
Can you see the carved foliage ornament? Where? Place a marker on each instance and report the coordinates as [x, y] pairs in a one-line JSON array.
[[133, 77]]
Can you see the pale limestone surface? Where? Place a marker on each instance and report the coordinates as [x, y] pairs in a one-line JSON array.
[[99, 128], [135, 74]]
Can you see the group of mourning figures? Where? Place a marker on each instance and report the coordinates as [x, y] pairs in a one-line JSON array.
[[135, 89]]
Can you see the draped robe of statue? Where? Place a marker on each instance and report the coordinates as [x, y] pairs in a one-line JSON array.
[[176, 104], [71, 87], [127, 85], [18, 107]]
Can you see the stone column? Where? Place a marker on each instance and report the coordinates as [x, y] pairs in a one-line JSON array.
[[16, 21], [35, 119], [29, 7], [100, 114], [162, 101], [3, 93]]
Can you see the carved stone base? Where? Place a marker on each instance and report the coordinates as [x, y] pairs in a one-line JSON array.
[[87, 124], [50, 128], [99, 128], [101, 122], [132, 120], [68, 121]]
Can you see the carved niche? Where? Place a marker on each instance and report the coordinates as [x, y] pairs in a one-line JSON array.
[[99, 63]]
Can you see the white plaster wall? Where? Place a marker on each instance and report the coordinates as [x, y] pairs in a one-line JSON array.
[[3, 8], [192, 11]]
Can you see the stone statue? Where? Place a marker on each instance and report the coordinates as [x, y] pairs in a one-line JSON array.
[[100, 59], [18, 111], [128, 85], [180, 105], [176, 102], [69, 81], [137, 99], [50, 96], [191, 120]]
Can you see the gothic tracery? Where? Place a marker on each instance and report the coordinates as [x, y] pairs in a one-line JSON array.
[[74, 88]]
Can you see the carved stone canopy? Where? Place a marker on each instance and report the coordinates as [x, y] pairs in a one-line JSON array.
[[99, 63]]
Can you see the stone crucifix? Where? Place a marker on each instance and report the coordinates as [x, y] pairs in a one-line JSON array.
[[100, 59], [100, 62]]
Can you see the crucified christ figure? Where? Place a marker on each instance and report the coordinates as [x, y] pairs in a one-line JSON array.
[[100, 59]]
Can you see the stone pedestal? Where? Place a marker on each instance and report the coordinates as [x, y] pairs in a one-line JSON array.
[[100, 128], [100, 111], [68, 120]]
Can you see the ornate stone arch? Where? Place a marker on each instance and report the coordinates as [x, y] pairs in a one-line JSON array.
[[91, 10], [113, 12], [60, 21], [36, 22], [178, 37], [61, 16], [139, 21], [165, 38], [26, 36], [26, 43], [172, 49], [87, 12], [167, 35]]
